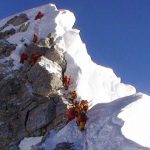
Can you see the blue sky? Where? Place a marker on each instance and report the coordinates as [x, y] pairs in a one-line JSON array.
[[116, 32]]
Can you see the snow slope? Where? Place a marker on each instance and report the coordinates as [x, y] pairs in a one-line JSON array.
[[27, 143], [103, 129], [99, 85], [137, 122]]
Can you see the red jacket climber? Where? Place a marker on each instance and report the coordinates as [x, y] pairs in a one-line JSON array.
[[70, 114], [67, 81], [23, 58], [34, 38], [39, 15], [34, 58]]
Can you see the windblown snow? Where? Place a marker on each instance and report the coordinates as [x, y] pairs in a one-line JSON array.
[[117, 113]]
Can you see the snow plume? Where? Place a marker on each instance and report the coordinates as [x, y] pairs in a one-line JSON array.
[[118, 118]]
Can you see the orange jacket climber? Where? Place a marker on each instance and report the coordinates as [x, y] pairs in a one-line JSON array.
[[84, 105], [73, 96], [34, 58], [70, 114], [23, 58], [34, 38], [67, 81], [77, 108], [39, 15], [82, 118]]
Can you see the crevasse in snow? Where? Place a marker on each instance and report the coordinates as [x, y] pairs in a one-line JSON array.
[[93, 82]]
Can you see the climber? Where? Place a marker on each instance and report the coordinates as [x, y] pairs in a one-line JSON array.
[[39, 15], [34, 38], [82, 118], [34, 58], [70, 114], [84, 105], [67, 81], [73, 96], [77, 107], [77, 110], [23, 58]]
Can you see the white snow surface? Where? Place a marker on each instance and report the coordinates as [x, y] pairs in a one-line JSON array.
[[27, 143], [93, 82], [50, 66], [137, 122]]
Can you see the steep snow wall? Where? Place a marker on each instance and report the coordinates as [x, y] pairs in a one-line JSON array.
[[93, 82]]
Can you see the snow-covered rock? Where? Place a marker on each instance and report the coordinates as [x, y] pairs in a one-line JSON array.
[[113, 123], [45, 77], [6, 48], [17, 20]]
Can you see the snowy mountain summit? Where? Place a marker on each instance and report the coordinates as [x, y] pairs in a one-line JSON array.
[[38, 48]]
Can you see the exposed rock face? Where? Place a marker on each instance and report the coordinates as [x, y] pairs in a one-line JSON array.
[[45, 77], [6, 48], [41, 116], [6, 34], [47, 42], [5, 68], [24, 114], [35, 48], [17, 20], [29, 103], [60, 115], [9, 88], [23, 27], [56, 56]]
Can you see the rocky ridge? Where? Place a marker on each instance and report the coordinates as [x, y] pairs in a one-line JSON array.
[[30, 103]]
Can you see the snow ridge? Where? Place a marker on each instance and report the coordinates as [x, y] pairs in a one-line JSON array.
[[114, 105]]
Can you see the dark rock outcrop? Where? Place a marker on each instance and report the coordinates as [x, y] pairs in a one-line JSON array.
[[17, 20], [29, 101], [6, 48], [6, 34], [56, 56], [45, 77], [41, 116], [23, 27], [64, 146], [9, 88]]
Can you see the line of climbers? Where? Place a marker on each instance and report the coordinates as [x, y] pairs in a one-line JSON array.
[[32, 60], [34, 56], [77, 110]]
